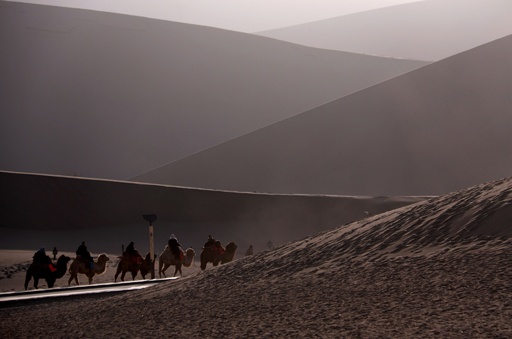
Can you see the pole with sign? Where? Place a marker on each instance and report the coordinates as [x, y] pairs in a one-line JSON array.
[[151, 218]]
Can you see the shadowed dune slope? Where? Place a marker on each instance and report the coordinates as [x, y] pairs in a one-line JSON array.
[[424, 30], [103, 95], [436, 268], [431, 131], [62, 211]]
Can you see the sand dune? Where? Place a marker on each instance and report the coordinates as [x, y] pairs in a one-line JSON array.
[[103, 95], [431, 131], [424, 30], [438, 268], [47, 211], [237, 16]]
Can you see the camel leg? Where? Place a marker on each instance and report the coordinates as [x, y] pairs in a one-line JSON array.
[[50, 281], [75, 277], [117, 273], [178, 269], [166, 266], [28, 276]]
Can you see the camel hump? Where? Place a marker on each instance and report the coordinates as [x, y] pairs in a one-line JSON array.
[[232, 246]]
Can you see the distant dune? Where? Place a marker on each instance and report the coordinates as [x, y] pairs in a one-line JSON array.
[[46, 211], [438, 268], [240, 16], [431, 131], [104, 95], [424, 30]]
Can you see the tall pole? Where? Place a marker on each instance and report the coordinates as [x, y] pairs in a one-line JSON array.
[[151, 218], [152, 250]]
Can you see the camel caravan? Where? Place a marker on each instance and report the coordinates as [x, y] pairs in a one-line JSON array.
[[42, 266]]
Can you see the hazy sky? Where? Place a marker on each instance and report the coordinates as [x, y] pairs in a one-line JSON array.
[[239, 15]]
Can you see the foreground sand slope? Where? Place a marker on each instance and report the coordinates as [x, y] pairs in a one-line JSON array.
[[439, 268]]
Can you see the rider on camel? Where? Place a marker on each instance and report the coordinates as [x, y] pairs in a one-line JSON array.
[[85, 255], [214, 245], [132, 254], [210, 242], [175, 247], [41, 259]]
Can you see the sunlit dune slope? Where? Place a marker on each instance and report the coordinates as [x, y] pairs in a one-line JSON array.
[[423, 30], [105, 95], [431, 131]]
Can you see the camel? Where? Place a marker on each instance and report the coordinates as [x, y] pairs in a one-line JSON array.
[[229, 254], [145, 267], [38, 271], [210, 255], [78, 266], [126, 264], [250, 251], [167, 259]]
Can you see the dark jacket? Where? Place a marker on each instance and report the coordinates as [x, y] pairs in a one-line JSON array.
[[40, 257], [83, 252], [131, 249], [175, 247]]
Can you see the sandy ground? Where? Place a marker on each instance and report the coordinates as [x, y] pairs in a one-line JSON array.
[[439, 268], [457, 293]]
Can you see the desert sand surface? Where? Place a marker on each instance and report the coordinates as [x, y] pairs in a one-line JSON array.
[[434, 130], [407, 30], [122, 95], [437, 268]]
